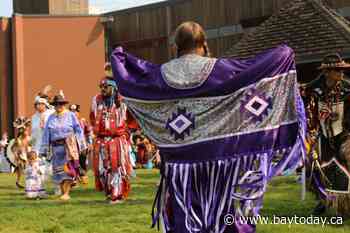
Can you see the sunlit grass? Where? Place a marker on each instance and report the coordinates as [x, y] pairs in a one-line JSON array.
[[88, 212]]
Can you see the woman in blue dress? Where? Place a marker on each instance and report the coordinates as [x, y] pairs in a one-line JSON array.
[[64, 138]]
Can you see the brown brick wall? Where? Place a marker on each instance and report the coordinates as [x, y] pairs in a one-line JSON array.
[[65, 52], [5, 76]]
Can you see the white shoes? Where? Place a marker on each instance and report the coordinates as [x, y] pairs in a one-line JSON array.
[[58, 191]]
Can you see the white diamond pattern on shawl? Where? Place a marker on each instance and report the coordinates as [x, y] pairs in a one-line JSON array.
[[256, 100], [180, 124]]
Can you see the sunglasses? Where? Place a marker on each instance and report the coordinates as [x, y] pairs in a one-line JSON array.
[[104, 86]]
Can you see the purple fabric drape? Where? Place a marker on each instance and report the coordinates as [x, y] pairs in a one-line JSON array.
[[208, 171]]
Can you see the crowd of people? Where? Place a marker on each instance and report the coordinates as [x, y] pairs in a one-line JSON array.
[[57, 142], [218, 129]]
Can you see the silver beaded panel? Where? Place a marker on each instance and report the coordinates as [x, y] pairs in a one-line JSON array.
[[217, 117]]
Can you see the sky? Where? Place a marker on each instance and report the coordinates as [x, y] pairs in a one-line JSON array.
[[109, 5], [96, 6]]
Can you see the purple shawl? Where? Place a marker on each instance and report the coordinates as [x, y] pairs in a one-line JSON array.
[[224, 128]]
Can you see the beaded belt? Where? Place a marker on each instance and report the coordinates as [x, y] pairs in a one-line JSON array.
[[59, 142]]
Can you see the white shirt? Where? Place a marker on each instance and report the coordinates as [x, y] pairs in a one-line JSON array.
[[4, 164], [38, 125], [337, 126]]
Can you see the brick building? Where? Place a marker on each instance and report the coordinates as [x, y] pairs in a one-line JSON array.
[[52, 42]]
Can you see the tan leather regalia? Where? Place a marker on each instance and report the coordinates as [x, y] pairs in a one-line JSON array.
[[19, 147]]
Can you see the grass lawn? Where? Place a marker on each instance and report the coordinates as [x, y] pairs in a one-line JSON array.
[[87, 212]]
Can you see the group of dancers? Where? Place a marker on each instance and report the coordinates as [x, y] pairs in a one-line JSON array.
[[223, 129], [57, 142]]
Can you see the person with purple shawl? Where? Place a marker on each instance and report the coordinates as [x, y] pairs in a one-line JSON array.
[[224, 128]]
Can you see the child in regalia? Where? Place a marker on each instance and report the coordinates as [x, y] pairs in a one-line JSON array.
[[34, 184]]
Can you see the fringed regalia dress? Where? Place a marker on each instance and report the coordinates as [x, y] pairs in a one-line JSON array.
[[88, 133], [219, 124], [34, 185], [111, 161], [62, 134], [329, 114]]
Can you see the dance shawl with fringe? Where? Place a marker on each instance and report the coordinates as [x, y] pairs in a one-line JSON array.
[[237, 123]]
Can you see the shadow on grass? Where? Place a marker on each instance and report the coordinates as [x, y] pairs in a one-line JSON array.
[[147, 175], [29, 203], [11, 194], [48, 203], [89, 202], [7, 187], [128, 202], [85, 191]]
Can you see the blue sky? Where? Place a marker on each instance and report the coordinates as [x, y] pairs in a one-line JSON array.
[[98, 5], [108, 5]]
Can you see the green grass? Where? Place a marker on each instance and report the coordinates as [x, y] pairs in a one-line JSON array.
[[87, 212]]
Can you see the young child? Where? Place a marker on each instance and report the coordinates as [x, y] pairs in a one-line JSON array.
[[34, 185]]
